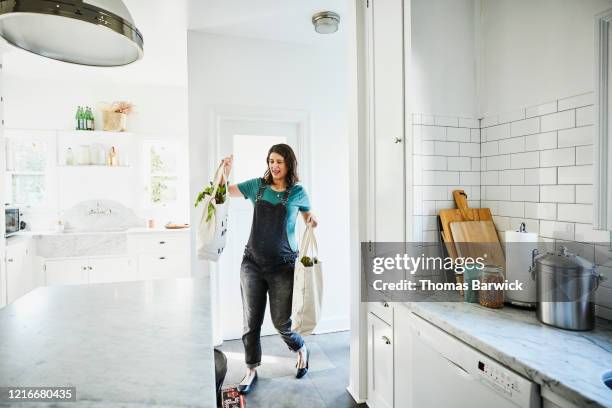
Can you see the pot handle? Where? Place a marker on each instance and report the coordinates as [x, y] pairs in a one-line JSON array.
[[532, 268], [598, 279]]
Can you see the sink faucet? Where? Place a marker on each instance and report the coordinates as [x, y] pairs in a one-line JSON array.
[[100, 211]]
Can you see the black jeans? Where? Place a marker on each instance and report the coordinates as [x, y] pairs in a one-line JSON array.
[[256, 281]]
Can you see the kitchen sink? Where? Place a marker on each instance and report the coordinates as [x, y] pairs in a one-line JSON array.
[[78, 244], [607, 379]]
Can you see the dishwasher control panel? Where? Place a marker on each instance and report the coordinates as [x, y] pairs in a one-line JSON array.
[[502, 379]]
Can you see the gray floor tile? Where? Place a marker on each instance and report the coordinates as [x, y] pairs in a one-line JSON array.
[[284, 392], [331, 385]]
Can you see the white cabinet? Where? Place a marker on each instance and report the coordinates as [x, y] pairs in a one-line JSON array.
[[20, 277], [84, 270], [380, 363], [162, 255], [386, 128], [402, 356]]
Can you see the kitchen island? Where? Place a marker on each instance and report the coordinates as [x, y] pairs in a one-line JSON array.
[[129, 344]]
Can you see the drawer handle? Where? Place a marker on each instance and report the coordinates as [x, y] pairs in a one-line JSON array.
[[162, 242], [386, 340], [385, 304], [10, 260], [90, 268], [162, 257]]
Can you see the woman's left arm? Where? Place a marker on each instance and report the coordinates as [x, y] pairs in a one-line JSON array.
[[309, 218]]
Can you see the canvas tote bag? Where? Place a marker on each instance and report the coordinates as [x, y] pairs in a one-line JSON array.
[[211, 232], [307, 287]]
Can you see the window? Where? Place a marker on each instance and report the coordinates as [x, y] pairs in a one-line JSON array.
[[26, 165], [162, 172]]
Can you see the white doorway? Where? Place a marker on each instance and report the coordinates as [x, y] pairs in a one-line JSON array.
[[249, 141]]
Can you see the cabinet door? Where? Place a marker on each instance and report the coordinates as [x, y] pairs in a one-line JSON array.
[[402, 356], [111, 270], [15, 286], [380, 363], [385, 42], [70, 272]]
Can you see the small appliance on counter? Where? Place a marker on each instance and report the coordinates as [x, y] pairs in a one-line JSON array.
[[14, 224], [565, 286], [519, 246]]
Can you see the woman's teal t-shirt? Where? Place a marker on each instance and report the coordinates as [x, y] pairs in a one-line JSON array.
[[297, 201]]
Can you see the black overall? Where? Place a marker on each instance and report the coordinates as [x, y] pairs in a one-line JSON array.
[[267, 268]]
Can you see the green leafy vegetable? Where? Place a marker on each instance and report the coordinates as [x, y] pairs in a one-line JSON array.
[[219, 198]]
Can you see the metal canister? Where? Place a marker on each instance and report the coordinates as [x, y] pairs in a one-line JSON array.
[[565, 286]]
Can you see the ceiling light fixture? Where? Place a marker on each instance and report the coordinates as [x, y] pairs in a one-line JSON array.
[[326, 22], [93, 32]]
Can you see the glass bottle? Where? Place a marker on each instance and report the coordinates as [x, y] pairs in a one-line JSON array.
[[69, 157], [78, 118], [490, 296]]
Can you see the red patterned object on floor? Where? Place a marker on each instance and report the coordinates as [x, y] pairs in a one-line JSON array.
[[231, 398]]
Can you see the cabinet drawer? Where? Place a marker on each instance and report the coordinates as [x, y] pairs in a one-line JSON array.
[[382, 310], [160, 243], [166, 265]]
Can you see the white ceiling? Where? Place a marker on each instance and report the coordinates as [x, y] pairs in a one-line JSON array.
[[278, 20]]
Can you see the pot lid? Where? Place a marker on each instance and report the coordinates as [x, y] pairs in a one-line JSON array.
[[564, 260]]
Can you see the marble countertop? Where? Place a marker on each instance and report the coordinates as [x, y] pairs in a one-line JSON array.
[[108, 232], [131, 344], [567, 363]]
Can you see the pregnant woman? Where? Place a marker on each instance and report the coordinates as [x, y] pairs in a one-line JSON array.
[[270, 254]]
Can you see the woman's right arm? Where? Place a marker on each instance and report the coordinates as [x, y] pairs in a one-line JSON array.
[[233, 188]]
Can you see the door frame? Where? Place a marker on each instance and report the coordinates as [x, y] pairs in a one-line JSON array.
[[256, 114]]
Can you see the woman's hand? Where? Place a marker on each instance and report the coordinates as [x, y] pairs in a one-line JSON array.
[[310, 219], [227, 167]]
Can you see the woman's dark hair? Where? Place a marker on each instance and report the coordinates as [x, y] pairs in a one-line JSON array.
[[290, 161]]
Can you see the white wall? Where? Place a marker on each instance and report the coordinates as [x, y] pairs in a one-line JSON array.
[[444, 57], [536, 51], [231, 71]]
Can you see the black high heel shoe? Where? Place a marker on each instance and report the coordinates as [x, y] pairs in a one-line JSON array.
[[302, 371], [245, 389]]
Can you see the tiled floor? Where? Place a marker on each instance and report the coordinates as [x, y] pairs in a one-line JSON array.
[[324, 385]]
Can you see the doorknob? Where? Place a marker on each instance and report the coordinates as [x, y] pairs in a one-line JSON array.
[[398, 140]]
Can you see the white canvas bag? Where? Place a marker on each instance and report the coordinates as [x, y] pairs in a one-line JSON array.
[[211, 233], [307, 287]]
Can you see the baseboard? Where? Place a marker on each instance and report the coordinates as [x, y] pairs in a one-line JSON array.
[[354, 396], [333, 324]]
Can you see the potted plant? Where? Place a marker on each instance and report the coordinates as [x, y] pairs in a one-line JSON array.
[[114, 116]]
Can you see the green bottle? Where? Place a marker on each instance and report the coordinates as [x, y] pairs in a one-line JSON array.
[[88, 119], [91, 120], [78, 118]]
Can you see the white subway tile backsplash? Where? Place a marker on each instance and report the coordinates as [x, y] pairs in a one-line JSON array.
[[490, 178], [575, 213], [525, 127], [427, 120], [440, 178], [443, 205], [542, 211], [541, 141], [501, 223], [497, 193], [576, 136], [584, 116], [433, 162], [460, 163], [475, 135], [525, 193], [490, 148], [530, 225], [540, 110], [556, 121], [525, 160], [512, 116], [511, 209], [475, 163], [429, 208], [428, 148], [557, 230], [446, 121], [433, 133], [447, 148], [545, 175], [584, 155], [434, 192], [469, 149], [498, 162], [575, 175], [576, 101], [469, 178], [512, 177], [492, 205], [469, 123], [558, 157], [557, 194], [584, 194], [458, 134], [498, 132], [488, 121], [416, 119], [512, 145], [430, 223]]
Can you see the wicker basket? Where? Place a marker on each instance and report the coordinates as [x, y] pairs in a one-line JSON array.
[[114, 122]]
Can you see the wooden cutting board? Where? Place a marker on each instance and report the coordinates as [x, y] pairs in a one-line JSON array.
[[461, 213], [477, 238]]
